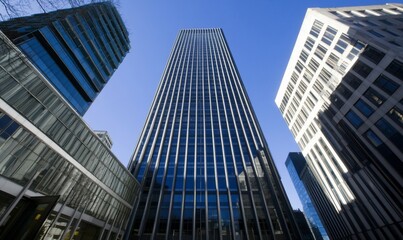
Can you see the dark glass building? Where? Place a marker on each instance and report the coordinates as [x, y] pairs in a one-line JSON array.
[[203, 163], [297, 167], [77, 49], [304, 227]]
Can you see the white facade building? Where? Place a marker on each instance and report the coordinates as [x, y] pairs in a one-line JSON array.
[[342, 98]]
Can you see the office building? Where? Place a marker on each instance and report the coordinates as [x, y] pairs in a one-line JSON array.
[[341, 96], [304, 228], [77, 49], [202, 161], [58, 180], [333, 222], [105, 138], [297, 168]]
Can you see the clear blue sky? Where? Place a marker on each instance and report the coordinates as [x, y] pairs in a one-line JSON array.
[[260, 34]]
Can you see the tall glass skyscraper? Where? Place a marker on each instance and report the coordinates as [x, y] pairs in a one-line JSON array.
[[203, 163], [76, 49], [297, 168]]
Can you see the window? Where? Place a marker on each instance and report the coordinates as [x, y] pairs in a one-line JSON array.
[[354, 119], [386, 22], [309, 103], [309, 43], [342, 68], [362, 69], [290, 88], [282, 108], [294, 77], [329, 34], [359, 24], [342, 43], [325, 75], [395, 68], [368, 23], [373, 54], [317, 26], [374, 97], [377, 34], [299, 67], [332, 60], [364, 108], [390, 32], [320, 51], [298, 95], [313, 64], [386, 84], [302, 86], [303, 56], [344, 91], [373, 138], [336, 101], [396, 115], [307, 76], [318, 87], [355, 50], [7, 126], [385, 128], [395, 43], [390, 132], [313, 97], [352, 80]]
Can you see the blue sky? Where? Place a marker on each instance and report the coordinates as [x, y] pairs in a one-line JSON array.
[[261, 35]]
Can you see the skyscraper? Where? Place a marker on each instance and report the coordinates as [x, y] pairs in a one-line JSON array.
[[304, 228], [341, 96], [203, 163], [299, 172], [77, 49], [58, 179]]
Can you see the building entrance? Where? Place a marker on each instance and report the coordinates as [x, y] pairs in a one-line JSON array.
[[27, 217]]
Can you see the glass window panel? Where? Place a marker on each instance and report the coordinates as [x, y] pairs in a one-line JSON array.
[[373, 138], [344, 91], [364, 108], [354, 119], [386, 84], [374, 97], [395, 68], [320, 51], [373, 54], [317, 26], [362, 69], [352, 80], [396, 115]]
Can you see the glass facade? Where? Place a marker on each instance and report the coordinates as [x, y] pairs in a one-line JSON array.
[[202, 161], [72, 185], [304, 227], [77, 49], [296, 165]]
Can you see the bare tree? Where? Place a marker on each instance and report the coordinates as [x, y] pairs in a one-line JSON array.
[[17, 8]]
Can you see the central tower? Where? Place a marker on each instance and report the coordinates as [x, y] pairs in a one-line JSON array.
[[202, 160]]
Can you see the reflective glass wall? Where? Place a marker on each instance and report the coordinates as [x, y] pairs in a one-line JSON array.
[[73, 186], [203, 163], [76, 49], [297, 168]]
